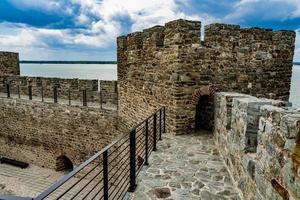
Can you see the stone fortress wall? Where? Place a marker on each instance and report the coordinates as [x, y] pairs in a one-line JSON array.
[[260, 142], [40, 133], [169, 66]]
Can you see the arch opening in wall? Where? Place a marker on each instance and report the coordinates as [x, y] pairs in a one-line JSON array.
[[63, 163], [203, 101]]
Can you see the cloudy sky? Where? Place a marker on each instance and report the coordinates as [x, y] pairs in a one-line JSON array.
[[87, 29]]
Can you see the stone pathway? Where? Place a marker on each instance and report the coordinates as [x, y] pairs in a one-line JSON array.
[[185, 167]]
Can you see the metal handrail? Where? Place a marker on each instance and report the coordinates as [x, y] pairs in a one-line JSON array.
[[14, 89], [59, 183], [115, 180], [133, 150]]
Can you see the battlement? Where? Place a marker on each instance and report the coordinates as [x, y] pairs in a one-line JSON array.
[[168, 65]]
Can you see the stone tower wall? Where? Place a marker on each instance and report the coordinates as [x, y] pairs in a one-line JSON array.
[[9, 63], [168, 65]]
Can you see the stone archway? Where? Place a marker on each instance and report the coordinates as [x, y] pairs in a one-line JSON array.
[[63, 163], [203, 101]]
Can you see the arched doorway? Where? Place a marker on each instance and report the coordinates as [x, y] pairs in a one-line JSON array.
[[203, 101], [203, 115], [63, 163]]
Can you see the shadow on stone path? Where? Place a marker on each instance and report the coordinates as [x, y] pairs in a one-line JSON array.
[[185, 167]]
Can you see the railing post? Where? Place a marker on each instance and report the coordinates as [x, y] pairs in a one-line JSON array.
[[55, 94], [146, 143], [101, 100], [117, 92], [8, 90], [19, 95], [160, 123], [154, 132], [84, 100], [69, 95], [30, 92], [164, 119], [105, 175], [42, 93], [132, 161]]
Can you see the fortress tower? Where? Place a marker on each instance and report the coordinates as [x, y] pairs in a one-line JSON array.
[[169, 66]]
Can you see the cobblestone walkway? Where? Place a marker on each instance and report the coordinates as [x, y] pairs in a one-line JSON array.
[[185, 167]]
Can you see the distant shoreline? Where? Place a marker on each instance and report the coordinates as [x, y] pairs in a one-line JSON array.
[[67, 62], [81, 62]]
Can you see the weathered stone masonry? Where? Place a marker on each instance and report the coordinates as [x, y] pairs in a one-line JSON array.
[[169, 65], [39, 133], [43, 133], [9, 63], [259, 139]]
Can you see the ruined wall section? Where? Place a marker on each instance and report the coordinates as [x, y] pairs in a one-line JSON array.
[[259, 139], [38, 133], [9, 63], [253, 61]]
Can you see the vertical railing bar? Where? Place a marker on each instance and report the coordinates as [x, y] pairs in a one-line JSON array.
[[164, 119], [146, 142], [116, 90], [154, 131], [8, 90], [19, 95], [30, 92], [160, 123], [42, 93], [84, 100], [132, 160], [55, 94], [69, 96], [101, 100], [105, 175]]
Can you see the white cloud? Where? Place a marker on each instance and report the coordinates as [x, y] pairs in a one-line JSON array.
[[264, 10], [101, 19]]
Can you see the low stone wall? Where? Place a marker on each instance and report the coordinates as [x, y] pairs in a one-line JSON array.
[[97, 91], [259, 139], [39, 133]]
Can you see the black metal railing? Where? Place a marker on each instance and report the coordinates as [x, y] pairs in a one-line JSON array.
[[112, 172], [83, 97]]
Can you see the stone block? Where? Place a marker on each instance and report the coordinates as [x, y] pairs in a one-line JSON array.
[[290, 125]]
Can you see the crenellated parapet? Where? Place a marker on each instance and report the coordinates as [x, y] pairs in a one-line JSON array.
[[259, 140], [167, 65]]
